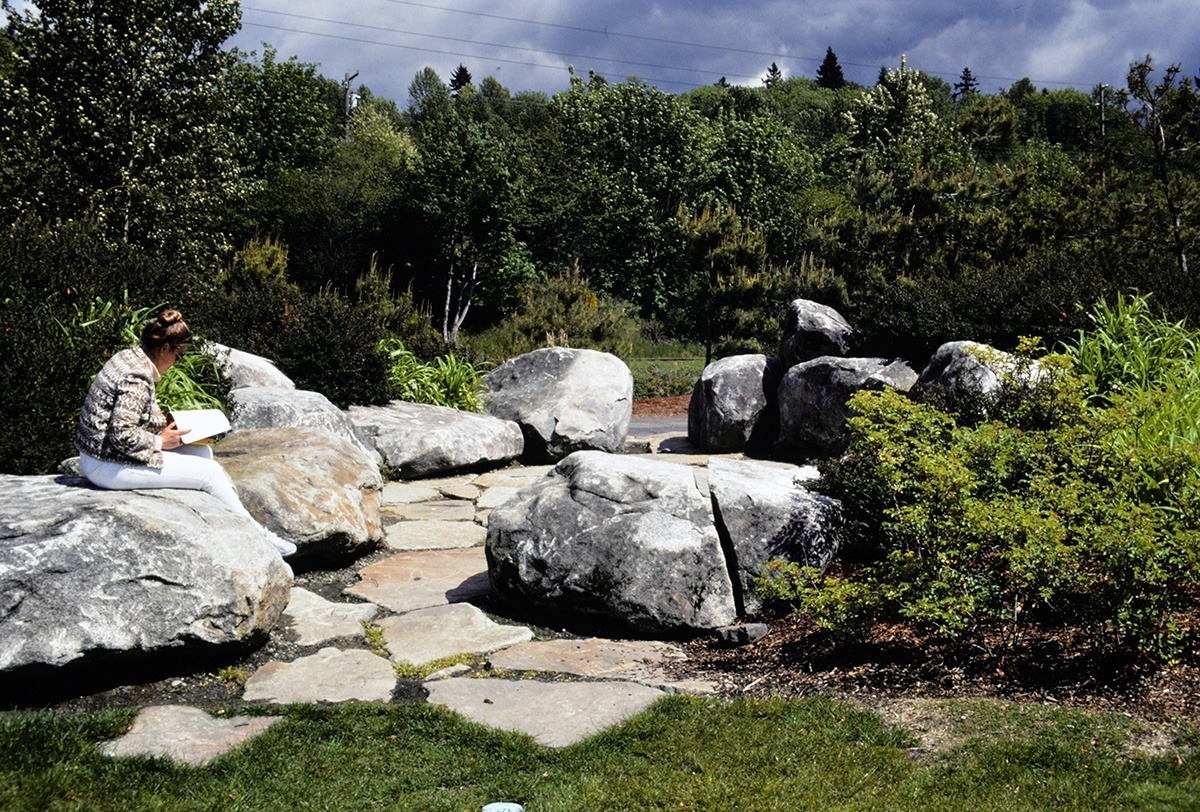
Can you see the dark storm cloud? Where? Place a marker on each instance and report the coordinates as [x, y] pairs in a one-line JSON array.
[[677, 44]]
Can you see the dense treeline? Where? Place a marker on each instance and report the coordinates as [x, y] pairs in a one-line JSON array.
[[142, 161]]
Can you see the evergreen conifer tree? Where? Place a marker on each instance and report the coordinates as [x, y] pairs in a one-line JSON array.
[[829, 75], [965, 86], [774, 76], [460, 78]]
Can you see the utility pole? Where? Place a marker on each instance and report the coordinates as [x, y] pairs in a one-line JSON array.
[[349, 99]]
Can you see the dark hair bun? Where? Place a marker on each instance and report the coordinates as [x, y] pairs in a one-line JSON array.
[[166, 328]]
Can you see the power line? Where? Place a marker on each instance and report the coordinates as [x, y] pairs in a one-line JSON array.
[[605, 32], [570, 55], [457, 54]]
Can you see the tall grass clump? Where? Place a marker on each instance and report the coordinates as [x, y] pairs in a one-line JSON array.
[[445, 381], [1145, 365]]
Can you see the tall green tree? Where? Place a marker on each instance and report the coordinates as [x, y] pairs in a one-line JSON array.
[[466, 192], [113, 110], [1167, 113], [336, 215], [612, 167], [282, 113], [460, 78]]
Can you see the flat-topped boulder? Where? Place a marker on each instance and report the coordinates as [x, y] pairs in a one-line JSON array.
[[811, 330], [564, 400], [419, 440], [314, 488], [625, 539], [245, 370], [733, 405], [272, 407], [768, 514], [814, 400], [91, 576]]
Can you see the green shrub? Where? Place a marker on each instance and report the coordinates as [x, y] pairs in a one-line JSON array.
[[1031, 517], [446, 381], [398, 315], [319, 339]]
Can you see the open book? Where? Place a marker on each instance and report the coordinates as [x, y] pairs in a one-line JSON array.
[[204, 423]]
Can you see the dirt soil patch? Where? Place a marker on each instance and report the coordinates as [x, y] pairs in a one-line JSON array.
[[662, 407]]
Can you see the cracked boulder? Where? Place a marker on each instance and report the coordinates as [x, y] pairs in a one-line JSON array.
[[92, 576], [622, 539], [766, 513], [564, 401]]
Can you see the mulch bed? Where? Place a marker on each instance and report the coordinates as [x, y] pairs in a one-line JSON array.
[[899, 662]]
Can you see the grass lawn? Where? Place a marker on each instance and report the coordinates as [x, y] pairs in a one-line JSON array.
[[684, 753]]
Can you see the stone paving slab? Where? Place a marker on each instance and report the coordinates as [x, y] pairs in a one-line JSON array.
[[512, 477], [316, 620], [555, 714], [186, 735], [420, 579], [451, 510], [434, 534], [496, 496], [330, 675], [403, 493], [442, 631], [640, 661], [466, 490]]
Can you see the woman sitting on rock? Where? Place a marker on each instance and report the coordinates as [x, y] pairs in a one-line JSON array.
[[126, 443]]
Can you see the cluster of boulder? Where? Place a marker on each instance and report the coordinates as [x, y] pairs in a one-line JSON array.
[[90, 577], [794, 405], [660, 548]]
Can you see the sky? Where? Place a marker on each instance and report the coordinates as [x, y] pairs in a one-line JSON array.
[[680, 44]]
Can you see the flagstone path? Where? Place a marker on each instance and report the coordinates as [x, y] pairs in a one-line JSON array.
[[416, 609]]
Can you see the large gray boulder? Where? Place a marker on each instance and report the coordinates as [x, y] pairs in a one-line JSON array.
[[245, 370], [273, 407], [621, 538], [91, 576], [419, 440], [733, 405], [971, 369], [312, 487], [767, 514], [811, 330], [814, 395], [564, 401]]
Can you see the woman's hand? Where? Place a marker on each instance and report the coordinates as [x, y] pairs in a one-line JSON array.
[[172, 437]]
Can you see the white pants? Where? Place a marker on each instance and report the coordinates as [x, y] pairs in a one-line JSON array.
[[190, 466]]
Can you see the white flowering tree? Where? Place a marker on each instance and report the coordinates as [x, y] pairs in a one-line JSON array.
[[896, 126], [111, 110]]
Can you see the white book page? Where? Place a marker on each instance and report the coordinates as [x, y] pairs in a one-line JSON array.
[[203, 423]]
